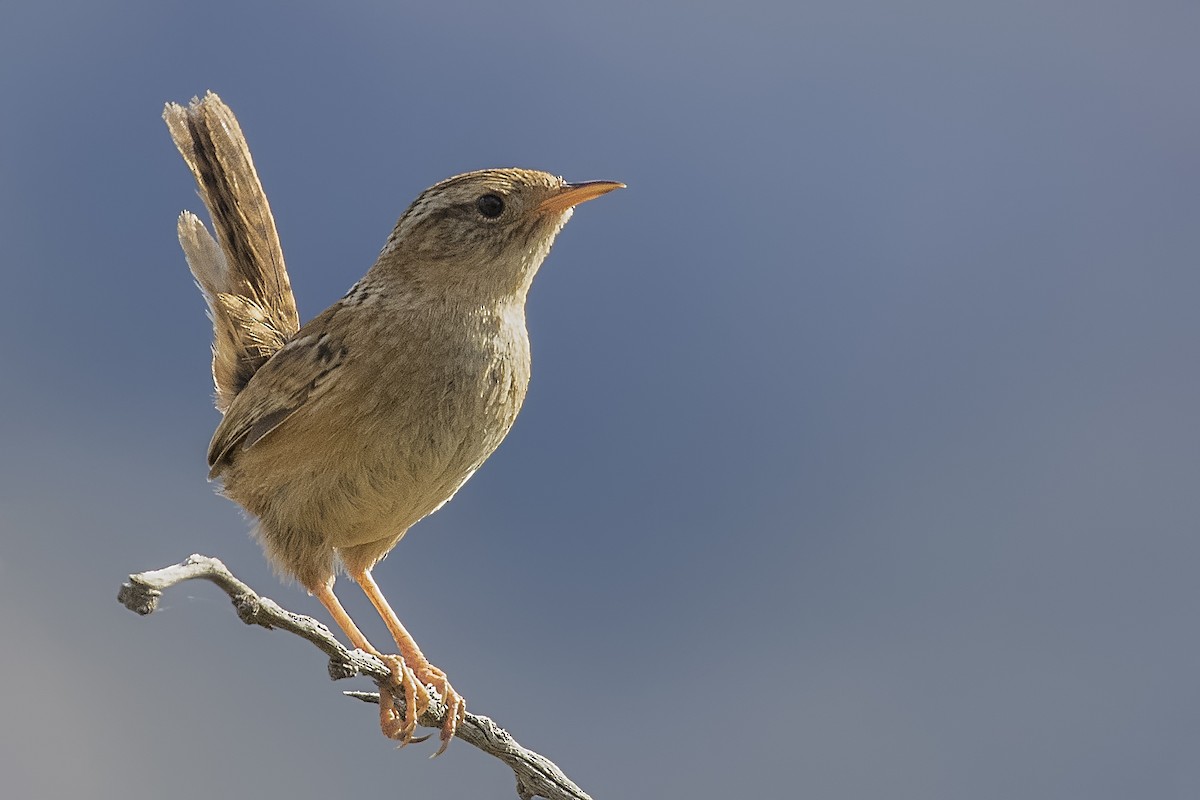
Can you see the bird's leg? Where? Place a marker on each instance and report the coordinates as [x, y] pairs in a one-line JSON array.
[[416, 698], [456, 707]]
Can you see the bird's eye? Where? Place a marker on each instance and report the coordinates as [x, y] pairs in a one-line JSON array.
[[490, 205]]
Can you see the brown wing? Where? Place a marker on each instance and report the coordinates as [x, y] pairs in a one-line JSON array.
[[294, 376]]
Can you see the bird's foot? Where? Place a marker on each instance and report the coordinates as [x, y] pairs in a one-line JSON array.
[[416, 701], [456, 706]]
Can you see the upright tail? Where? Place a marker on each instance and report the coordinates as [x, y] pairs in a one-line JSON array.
[[241, 271]]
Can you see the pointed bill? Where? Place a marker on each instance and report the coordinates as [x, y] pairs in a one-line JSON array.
[[572, 194]]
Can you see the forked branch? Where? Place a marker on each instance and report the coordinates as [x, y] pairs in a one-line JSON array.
[[537, 776]]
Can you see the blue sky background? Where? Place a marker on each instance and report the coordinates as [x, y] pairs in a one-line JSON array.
[[861, 457]]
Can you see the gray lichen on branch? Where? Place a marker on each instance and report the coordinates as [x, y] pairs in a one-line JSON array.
[[537, 776]]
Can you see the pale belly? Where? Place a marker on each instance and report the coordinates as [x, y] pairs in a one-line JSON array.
[[372, 465]]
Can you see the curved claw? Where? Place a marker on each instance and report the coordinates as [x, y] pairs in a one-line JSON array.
[[416, 701], [456, 706], [456, 712]]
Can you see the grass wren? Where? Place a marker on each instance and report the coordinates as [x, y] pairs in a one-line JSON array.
[[338, 435]]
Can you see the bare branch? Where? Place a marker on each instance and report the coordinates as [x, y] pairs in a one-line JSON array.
[[537, 776]]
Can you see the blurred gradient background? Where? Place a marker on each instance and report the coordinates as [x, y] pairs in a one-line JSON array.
[[861, 455]]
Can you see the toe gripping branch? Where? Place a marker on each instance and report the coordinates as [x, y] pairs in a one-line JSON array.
[[536, 775]]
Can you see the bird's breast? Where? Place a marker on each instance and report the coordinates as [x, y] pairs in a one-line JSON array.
[[415, 410], [435, 416]]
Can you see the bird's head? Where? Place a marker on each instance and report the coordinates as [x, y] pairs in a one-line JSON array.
[[484, 232]]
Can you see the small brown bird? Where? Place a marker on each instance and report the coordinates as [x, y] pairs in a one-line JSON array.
[[339, 435]]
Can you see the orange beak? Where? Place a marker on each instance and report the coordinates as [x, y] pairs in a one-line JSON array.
[[572, 194]]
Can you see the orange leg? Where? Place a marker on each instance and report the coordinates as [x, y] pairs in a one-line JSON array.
[[416, 698], [456, 707]]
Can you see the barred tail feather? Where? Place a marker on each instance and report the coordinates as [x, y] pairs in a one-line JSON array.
[[240, 270]]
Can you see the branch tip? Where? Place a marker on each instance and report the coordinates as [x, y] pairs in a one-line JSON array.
[[138, 598]]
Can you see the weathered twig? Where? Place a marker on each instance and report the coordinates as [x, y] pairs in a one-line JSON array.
[[537, 776]]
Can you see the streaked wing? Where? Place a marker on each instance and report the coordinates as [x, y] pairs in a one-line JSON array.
[[293, 377]]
